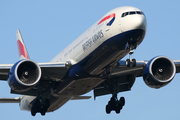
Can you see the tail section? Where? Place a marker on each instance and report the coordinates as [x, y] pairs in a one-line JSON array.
[[23, 54]]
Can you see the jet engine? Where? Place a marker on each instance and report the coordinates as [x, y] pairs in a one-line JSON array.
[[24, 75], [159, 71]]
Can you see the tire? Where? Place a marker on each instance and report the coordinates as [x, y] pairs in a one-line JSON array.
[[43, 112], [33, 111], [33, 114], [122, 101], [128, 63], [45, 107], [118, 109], [108, 111], [134, 62], [35, 107]]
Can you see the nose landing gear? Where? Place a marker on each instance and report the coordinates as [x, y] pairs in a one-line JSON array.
[[131, 61], [131, 45]]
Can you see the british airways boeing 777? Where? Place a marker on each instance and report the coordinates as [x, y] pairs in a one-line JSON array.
[[91, 62]]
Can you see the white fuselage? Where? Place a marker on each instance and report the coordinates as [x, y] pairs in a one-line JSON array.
[[84, 44]]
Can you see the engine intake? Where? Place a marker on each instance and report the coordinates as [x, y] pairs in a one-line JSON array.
[[24, 75], [159, 72]]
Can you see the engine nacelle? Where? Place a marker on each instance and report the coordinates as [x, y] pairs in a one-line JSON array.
[[24, 75], [159, 72]]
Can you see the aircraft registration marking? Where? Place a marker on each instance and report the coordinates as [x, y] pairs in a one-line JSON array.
[[90, 42]]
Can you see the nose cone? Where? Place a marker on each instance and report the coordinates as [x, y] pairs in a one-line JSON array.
[[139, 22]]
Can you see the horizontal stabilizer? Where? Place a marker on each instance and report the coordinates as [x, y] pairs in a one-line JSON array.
[[80, 97], [10, 100]]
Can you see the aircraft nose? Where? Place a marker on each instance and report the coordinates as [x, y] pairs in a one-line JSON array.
[[139, 22]]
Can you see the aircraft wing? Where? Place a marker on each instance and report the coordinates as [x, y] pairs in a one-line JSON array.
[[54, 71], [50, 71], [126, 76], [11, 100], [121, 69], [4, 71], [177, 63]]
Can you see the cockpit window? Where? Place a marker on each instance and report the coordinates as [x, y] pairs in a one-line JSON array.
[[126, 13], [138, 12], [132, 13]]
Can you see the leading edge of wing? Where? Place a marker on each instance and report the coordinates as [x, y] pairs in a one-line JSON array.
[[121, 69], [177, 63], [54, 70], [4, 71], [50, 70]]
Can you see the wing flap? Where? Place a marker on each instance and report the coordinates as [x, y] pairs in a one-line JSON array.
[[81, 97], [123, 83], [104, 90]]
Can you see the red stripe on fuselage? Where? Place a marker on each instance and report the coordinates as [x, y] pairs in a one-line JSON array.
[[22, 50], [106, 18]]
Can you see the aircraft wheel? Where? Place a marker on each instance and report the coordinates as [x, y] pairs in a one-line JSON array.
[[33, 114], [108, 111], [118, 109], [35, 107], [128, 63], [33, 111], [43, 112], [122, 101], [134, 62], [45, 107]]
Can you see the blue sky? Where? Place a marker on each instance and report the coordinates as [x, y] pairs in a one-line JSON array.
[[49, 26]]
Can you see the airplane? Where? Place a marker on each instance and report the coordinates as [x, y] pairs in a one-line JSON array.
[[93, 61]]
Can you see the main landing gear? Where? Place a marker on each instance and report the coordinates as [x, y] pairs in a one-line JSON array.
[[40, 105], [131, 61], [115, 104]]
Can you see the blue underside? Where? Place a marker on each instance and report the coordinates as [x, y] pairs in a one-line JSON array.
[[111, 48]]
